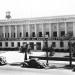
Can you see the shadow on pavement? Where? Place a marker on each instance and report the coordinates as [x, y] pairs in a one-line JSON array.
[[68, 67], [15, 64], [47, 67]]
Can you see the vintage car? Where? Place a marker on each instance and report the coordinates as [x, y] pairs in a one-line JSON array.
[[32, 63]]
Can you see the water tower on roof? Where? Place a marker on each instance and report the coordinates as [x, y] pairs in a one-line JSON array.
[[8, 16]]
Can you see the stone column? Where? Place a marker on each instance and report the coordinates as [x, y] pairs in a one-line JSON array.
[[42, 29], [35, 31], [22, 30], [57, 30], [65, 28], [15, 31], [9, 31], [28, 30], [4, 31], [50, 30], [74, 29]]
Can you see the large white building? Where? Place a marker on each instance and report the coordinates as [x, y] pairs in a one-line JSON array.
[[13, 32]]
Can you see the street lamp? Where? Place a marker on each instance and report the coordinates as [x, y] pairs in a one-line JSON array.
[[46, 45]]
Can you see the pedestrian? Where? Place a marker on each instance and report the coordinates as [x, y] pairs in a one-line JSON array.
[[51, 51], [24, 49], [73, 49], [29, 48]]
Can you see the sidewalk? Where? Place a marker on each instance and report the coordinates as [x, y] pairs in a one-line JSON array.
[[57, 56], [15, 56]]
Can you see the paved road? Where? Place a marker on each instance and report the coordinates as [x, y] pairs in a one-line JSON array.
[[17, 70]]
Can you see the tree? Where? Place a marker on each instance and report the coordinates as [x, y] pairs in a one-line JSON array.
[[68, 36], [73, 52]]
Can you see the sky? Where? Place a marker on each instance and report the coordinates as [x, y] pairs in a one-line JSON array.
[[36, 8]]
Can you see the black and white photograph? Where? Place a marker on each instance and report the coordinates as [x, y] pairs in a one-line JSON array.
[[37, 37]]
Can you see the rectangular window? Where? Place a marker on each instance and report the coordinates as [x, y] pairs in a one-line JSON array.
[[26, 34], [33, 34], [6, 44], [47, 33], [8, 35], [14, 35], [62, 33], [20, 34], [32, 45], [38, 45], [53, 44], [40, 34], [61, 44], [55, 34], [12, 44], [1, 44], [18, 44]]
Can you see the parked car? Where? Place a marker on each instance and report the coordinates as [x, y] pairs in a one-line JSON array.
[[32, 63], [2, 60]]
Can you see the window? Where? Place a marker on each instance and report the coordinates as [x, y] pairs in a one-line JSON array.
[[6, 44], [8, 35], [61, 44], [40, 34], [14, 35], [62, 33], [33, 34], [47, 33], [1, 44], [53, 44], [18, 44], [26, 34], [55, 34], [12, 44], [38, 45], [20, 34], [32, 45]]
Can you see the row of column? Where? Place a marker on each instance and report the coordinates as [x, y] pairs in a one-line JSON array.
[[50, 30]]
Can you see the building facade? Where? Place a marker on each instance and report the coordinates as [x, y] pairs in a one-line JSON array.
[[13, 32]]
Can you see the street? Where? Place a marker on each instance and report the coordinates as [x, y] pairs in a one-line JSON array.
[[17, 70]]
